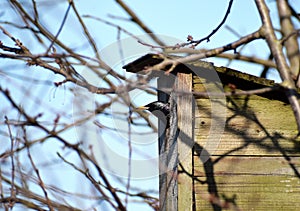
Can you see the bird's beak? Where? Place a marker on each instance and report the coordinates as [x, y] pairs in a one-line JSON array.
[[142, 108]]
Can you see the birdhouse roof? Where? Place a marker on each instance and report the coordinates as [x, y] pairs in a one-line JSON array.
[[241, 80]]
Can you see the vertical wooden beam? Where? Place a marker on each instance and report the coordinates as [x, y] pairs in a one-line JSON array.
[[174, 196], [167, 152], [185, 111]]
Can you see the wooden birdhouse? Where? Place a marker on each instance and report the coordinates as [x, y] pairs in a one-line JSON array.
[[236, 148]]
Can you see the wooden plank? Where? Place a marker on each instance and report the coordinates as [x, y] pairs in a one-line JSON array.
[[255, 126], [265, 183], [237, 165], [185, 123], [168, 155]]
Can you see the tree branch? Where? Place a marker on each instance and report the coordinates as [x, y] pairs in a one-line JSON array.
[[209, 53], [268, 32], [291, 44], [139, 22]]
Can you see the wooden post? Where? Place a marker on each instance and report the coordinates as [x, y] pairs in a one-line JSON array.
[[186, 137], [175, 149], [168, 153]]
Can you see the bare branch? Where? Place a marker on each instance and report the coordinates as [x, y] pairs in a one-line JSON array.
[[207, 38], [291, 42], [138, 21], [238, 56], [41, 183], [60, 28], [268, 32], [209, 53]]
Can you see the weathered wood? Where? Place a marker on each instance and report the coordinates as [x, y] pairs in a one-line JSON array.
[[254, 124], [186, 124], [253, 183], [251, 166], [256, 163], [168, 154]]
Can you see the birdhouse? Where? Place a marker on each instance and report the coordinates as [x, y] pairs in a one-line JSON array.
[[236, 147]]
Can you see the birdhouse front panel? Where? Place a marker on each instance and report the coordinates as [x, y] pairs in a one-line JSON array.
[[254, 160]]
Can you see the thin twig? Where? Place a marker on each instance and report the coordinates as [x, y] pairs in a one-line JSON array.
[[207, 38], [245, 58], [209, 53], [61, 27], [90, 178], [226, 94], [129, 155], [12, 191], [40, 181], [140, 23], [87, 33]]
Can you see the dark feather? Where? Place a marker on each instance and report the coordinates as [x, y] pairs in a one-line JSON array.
[[158, 106]]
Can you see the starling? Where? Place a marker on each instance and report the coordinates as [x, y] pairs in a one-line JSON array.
[[157, 106]]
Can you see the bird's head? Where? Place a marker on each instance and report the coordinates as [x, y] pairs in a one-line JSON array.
[[157, 106]]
